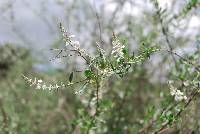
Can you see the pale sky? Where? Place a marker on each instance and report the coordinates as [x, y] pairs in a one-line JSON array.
[[32, 26]]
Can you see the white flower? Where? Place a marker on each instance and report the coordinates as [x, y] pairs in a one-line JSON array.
[[107, 72], [186, 83], [30, 80], [173, 92], [185, 97], [77, 43], [33, 82], [71, 36], [178, 92], [57, 86], [44, 86], [38, 86], [40, 81], [178, 95], [68, 38], [117, 49], [50, 87], [178, 98], [78, 92]]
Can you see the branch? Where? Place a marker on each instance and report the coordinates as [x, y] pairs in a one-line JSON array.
[[97, 105], [164, 30], [179, 113], [197, 68], [61, 50]]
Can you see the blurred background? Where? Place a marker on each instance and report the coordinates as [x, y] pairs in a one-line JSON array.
[[29, 29]]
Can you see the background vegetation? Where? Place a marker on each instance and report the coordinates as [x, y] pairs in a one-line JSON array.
[[139, 102]]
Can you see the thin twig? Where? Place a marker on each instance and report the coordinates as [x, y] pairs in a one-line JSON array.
[[97, 104], [97, 91], [164, 30], [61, 50], [98, 21], [182, 58]]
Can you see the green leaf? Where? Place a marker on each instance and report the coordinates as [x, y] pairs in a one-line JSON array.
[[88, 73], [125, 51], [105, 104], [113, 68], [71, 77], [170, 117], [102, 64]]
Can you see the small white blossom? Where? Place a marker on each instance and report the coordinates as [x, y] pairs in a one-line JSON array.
[[40, 84], [107, 72], [71, 36], [77, 43], [57, 86], [30, 80], [186, 83], [170, 82], [78, 92], [68, 38], [40, 81], [33, 82], [117, 49], [173, 91], [50, 87], [178, 95], [44, 86], [185, 97]]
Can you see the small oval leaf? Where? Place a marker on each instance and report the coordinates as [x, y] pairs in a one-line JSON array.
[[71, 77], [88, 73]]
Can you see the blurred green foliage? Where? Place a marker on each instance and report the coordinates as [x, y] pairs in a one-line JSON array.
[[139, 101]]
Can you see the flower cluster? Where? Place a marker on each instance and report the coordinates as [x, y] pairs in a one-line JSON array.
[[178, 95], [40, 84], [99, 65], [117, 50], [73, 43], [107, 72]]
